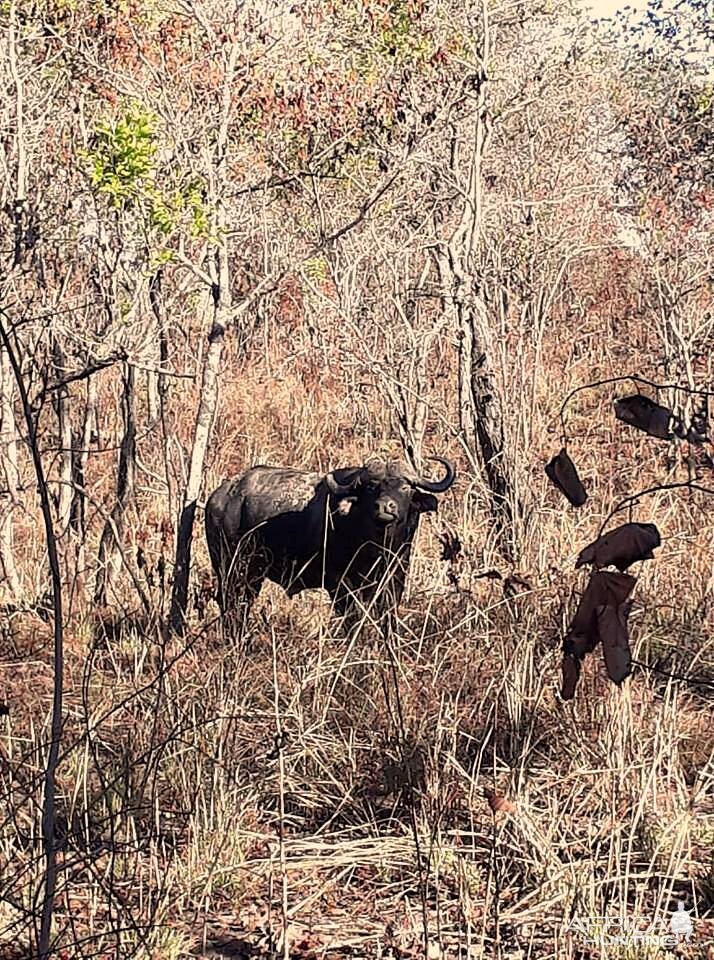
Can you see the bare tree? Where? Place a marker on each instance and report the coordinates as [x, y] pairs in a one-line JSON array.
[[219, 281], [459, 263], [61, 401], [49, 810]]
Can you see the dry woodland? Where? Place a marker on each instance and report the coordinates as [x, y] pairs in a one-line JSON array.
[[306, 234]]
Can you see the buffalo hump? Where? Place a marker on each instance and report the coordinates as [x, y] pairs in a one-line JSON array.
[[563, 472], [621, 547]]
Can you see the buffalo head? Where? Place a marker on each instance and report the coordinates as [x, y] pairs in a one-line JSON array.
[[388, 496]]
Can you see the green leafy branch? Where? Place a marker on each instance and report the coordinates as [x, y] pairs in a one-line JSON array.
[[123, 167]]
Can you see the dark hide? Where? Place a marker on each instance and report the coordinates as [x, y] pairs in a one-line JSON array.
[[622, 546], [562, 471], [644, 414], [601, 617], [350, 532]]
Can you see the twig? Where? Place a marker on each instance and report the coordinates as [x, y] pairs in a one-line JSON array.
[[48, 813], [634, 378], [690, 681], [633, 499], [279, 751], [108, 519], [91, 368]]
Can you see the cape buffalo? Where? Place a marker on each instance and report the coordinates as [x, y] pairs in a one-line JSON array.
[[349, 531]]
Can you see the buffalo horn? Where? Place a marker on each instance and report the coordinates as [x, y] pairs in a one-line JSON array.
[[437, 486]]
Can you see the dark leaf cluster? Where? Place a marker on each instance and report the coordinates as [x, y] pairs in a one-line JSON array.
[[603, 610]]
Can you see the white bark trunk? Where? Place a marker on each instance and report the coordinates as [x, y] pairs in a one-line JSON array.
[[10, 478], [205, 418], [78, 518], [480, 406]]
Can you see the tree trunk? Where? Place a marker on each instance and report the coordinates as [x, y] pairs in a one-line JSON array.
[[110, 555], [220, 278], [459, 262], [50, 775], [152, 396], [412, 406], [205, 417], [480, 410], [10, 478], [488, 415], [64, 423], [80, 456], [153, 376], [162, 384]]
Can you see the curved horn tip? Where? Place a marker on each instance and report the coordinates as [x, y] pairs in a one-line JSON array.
[[439, 486]]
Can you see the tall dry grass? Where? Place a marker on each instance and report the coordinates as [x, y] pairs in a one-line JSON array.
[[308, 798]]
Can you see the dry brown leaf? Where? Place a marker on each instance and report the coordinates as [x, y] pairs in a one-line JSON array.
[[571, 675], [622, 546], [604, 589], [644, 414], [498, 803], [612, 627], [563, 473], [601, 617]]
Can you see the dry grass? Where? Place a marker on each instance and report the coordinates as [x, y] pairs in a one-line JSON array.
[[210, 795]]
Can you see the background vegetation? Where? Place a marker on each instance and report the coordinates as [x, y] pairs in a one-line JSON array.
[[301, 234]]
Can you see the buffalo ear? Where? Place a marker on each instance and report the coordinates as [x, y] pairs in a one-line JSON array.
[[425, 502], [348, 476]]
